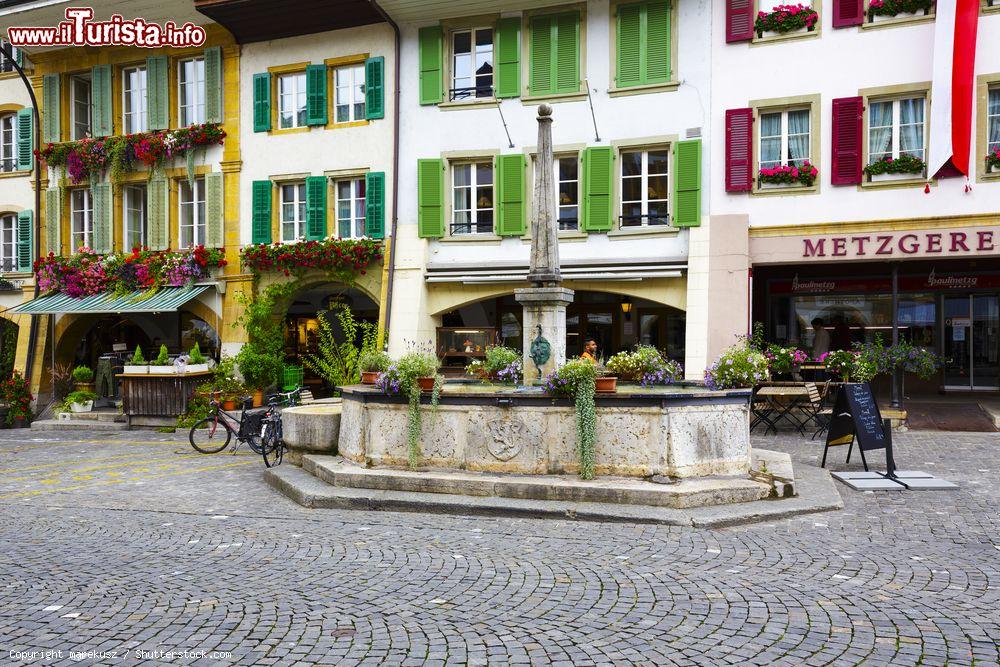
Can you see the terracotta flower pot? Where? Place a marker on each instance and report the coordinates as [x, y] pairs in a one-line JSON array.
[[369, 377], [426, 384], [606, 384], [229, 404], [258, 398]]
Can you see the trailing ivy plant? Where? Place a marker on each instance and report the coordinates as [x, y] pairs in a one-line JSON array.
[[401, 378], [577, 380]]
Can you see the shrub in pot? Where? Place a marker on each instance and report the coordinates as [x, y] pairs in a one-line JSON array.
[[259, 370], [162, 364], [196, 361], [16, 394], [79, 401], [83, 378], [372, 363], [138, 364]]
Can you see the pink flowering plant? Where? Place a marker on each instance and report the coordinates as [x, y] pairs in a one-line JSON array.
[[804, 174], [784, 359], [993, 159], [86, 273], [895, 7], [904, 164], [786, 18]]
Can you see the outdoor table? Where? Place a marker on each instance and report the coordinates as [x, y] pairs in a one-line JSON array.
[[784, 400]]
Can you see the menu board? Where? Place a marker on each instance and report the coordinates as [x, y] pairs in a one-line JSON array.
[[856, 413]]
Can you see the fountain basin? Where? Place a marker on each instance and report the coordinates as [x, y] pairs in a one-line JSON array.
[[680, 431]]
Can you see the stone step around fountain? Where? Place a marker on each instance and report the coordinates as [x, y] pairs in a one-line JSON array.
[[687, 493]]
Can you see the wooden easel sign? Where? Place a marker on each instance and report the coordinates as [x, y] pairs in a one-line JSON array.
[[856, 417]]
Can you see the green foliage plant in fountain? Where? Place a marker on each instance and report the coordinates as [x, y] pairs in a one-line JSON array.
[[645, 365], [577, 380], [403, 377], [501, 364], [739, 366], [372, 363]]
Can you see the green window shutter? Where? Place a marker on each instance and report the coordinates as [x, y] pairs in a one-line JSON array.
[[598, 173], [315, 208], [53, 218], [375, 204], [215, 213], [157, 92], [687, 183], [567, 53], [157, 210], [262, 102], [540, 80], [103, 230], [261, 212], [629, 38], [430, 198], [25, 235], [19, 57], [375, 88], [510, 179], [431, 48], [100, 101], [316, 95], [25, 138], [51, 108], [508, 73], [657, 50], [213, 84]]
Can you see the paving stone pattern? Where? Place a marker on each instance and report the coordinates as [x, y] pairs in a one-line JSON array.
[[129, 542]]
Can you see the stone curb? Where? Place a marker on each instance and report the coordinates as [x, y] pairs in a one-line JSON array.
[[817, 493]]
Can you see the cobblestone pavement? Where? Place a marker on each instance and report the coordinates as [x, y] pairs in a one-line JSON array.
[[129, 542]]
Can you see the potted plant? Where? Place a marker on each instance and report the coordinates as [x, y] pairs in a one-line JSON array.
[[885, 10], [840, 362], [231, 390], [605, 381], [79, 401], [788, 176], [500, 364], [196, 361], [993, 162], [83, 378], [259, 370], [138, 365], [905, 167], [410, 375], [421, 368], [786, 18], [162, 364], [16, 394], [372, 363], [741, 365]]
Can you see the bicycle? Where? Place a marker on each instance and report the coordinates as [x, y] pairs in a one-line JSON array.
[[272, 437]]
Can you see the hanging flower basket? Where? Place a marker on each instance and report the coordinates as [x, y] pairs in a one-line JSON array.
[[789, 175], [884, 10], [901, 168], [786, 18]]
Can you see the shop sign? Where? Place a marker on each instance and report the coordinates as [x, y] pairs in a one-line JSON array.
[[900, 244], [933, 281]]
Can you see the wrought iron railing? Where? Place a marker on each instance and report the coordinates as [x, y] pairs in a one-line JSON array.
[[455, 94], [650, 220], [461, 228]]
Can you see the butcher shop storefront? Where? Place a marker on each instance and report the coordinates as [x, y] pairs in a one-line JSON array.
[[944, 282]]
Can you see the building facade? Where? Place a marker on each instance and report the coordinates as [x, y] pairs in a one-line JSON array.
[[824, 248]]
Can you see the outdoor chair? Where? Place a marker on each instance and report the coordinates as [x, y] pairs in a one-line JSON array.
[[761, 412], [818, 411]]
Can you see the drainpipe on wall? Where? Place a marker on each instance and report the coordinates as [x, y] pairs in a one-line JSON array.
[[395, 167], [36, 240]]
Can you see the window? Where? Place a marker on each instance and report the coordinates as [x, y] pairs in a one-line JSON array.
[[8, 243], [472, 63], [79, 90], [784, 138], [896, 128], [191, 91], [82, 217], [472, 188], [8, 142], [135, 216], [644, 188], [293, 211], [192, 203], [351, 208], [350, 93], [567, 173], [134, 100], [993, 121], [292, 101], [6, 64]]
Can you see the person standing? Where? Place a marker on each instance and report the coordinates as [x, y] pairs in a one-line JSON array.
[[590, 351], [821, 338]]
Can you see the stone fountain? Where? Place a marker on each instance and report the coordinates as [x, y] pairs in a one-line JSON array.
[[545, 302]]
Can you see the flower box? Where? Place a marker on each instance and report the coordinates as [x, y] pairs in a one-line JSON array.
[[788, 176], [606, 384], [163, 370], [196, 368], [882, 18], [880, 178], [880, 11], [780, 186], [786, 19], [86, 406], [136, 370]]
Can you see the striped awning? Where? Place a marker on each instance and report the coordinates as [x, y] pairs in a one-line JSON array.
[[165, 300]]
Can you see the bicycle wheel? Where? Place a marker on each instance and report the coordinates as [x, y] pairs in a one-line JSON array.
[[273, 447], [210, 436]]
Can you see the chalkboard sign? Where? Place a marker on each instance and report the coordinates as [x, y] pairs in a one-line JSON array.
[[856, 413]]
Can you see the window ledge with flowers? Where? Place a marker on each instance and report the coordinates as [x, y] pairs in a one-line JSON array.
[[85, 273], [342, 259], [786, 21], [898, 11], [787, 177], [904, 169], [119, 155], [993, 163]]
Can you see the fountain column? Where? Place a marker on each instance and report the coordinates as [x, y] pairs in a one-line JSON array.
[[545, 301]]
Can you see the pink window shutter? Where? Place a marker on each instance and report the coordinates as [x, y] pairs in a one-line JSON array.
[[739, 150], [847, 117], [848, 12], [739, 20]]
